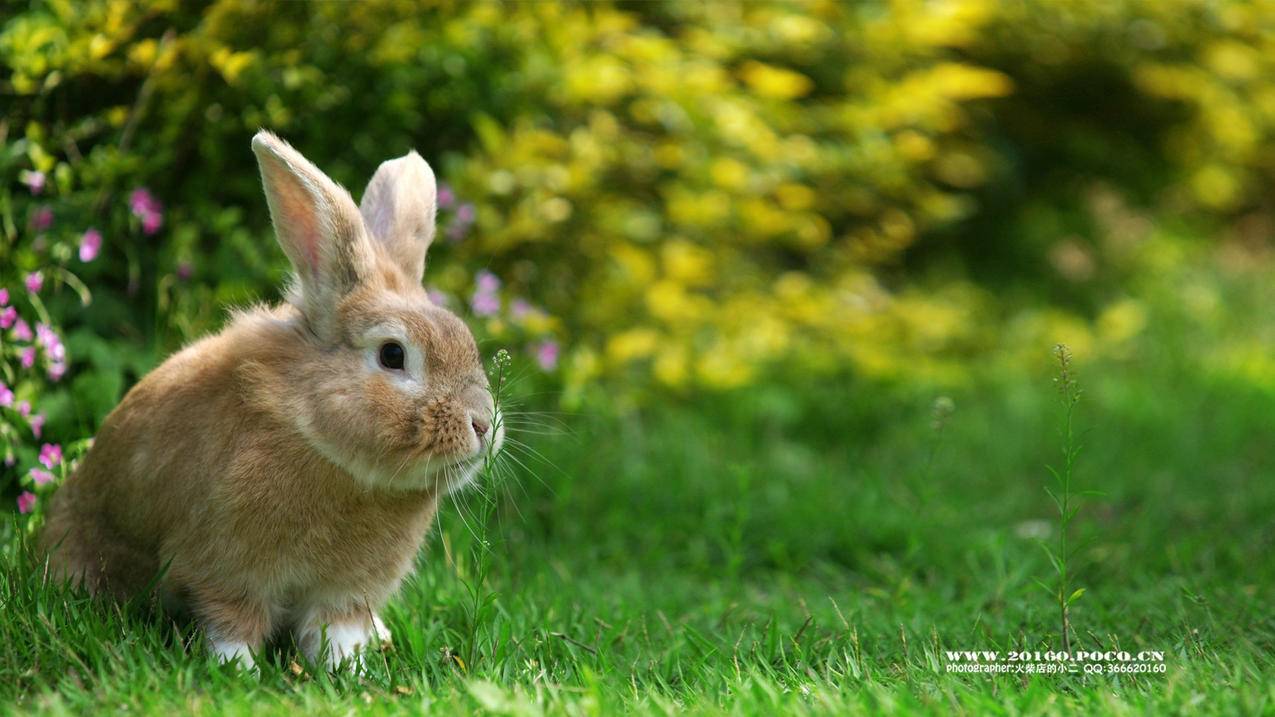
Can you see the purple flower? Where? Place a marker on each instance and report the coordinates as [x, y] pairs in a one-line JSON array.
[[485, 304], [35, 282], [41, 477], [52, 343], [57, 370], [151, 223], [26, 502], [465, 215], [90, 245], [446, 198], [7, 317], [488, 283], [141, 201], [485, 301], [4, 297], [547, 355], [33, 180], [185, 271], [50, 454], [24, 408], [21, 331], [6, 396], [27, 357], [37, 424], [43, 219], [438, 298], [521, 309], [146, 207]]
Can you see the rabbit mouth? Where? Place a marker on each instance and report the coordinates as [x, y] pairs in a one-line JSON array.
[[442, 474], [431, 470]]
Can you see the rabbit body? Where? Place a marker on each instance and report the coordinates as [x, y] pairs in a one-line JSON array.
[[284, 472]]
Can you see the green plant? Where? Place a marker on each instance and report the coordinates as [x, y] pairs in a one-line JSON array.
[[480, 598], [1065, 500]]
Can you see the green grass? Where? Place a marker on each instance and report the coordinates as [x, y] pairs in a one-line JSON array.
[[796, 548]]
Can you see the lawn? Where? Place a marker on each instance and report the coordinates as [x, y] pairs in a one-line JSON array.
[[780, 282], [790, 547]]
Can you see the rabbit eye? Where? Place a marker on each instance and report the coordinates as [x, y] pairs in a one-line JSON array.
[[392, 355]]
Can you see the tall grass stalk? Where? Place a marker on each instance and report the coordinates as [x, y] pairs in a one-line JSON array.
[[1065, 499], [482, 598]]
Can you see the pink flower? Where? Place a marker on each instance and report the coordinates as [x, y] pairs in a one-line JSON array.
[[7, 317], [49, 339], [21, 331], [141, 201], [56, 371], [24, 408], [146, 207], [488, 283], [521, 309], [43, 219], [465, 216], [6, 396], [50, 454], [4, 297], [547, 355], [27, 357], [438, 298], [185, 271], [26, 502], [151, 223], [485, 301], [90, 245], [33, 180], [485, 304], [37, 424], [446, 198], [35, 282], [41, 477]]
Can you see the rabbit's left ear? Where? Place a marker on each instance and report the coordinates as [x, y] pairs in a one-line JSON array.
[[318, 227], [398, 208]]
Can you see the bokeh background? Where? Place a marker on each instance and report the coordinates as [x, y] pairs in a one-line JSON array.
[[782, 283], [654, 202]]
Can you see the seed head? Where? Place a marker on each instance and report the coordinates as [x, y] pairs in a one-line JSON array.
[[941, 410]]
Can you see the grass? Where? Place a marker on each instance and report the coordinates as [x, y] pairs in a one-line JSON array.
[[789, 548]]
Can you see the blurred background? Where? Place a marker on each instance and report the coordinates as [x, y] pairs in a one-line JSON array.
[[781, 281], [656, 204]]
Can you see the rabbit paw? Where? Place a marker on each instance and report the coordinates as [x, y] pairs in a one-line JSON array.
[[233, 651], [343, 642]]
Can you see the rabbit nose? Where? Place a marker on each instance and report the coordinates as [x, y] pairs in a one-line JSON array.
[[480, 427]]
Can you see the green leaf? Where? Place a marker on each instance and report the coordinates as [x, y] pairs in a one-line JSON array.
[[1075, 595]]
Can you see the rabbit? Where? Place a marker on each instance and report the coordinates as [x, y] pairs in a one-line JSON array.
[[284, 472]]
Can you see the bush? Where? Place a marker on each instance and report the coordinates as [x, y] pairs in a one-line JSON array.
[[681, 195]]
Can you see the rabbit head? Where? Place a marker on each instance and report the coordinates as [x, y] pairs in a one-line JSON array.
[[392, 388]]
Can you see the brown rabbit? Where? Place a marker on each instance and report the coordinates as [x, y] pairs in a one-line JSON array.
[[283, 472]]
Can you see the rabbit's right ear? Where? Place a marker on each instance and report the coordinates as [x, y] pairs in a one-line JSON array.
[[398, 206], [318, 226]]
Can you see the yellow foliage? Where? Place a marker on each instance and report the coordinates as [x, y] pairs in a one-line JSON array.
[[775, 82], [698, 190]]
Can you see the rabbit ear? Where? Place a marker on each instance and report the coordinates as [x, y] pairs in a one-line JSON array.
[[398, 207], [318, 227]]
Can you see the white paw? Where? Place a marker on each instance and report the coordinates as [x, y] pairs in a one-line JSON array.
[[343, 641], [382, 632], [232, 651]]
